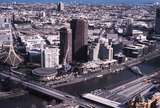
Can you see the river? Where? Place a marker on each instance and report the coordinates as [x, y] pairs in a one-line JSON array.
[[112, 80], [31, 100]]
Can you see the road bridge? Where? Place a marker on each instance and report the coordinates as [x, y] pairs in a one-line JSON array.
[[46, 90]]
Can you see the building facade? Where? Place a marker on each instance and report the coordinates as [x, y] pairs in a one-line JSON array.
[[157, 21], [106, 52], [65, 45], [51, 57], [93, 51], [79, 39]]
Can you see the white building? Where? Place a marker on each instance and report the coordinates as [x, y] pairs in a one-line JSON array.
[[110, 53], [51, 57], [4, 21], [54, 38], [33, 42], [5, 30], [5, 36], [94, 51]]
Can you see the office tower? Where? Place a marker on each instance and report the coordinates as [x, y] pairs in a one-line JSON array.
[[43, 14], [42, 54], [79, 39], [129, 30], [93, 50], [60, 6], [157, 21], [13, 18], [106, 51], [110, 53], [51, 57], [103, 52], [110, 50], [65, 45]]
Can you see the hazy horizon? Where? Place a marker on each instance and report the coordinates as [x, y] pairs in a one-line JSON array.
[[84, 1]]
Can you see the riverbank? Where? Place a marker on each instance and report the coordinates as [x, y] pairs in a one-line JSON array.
[[111, 80], [12, 94], [113, 70]]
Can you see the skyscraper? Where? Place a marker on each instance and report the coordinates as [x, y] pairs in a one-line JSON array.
[[79, 39], [60, 6], [65, 45], [157, 21]]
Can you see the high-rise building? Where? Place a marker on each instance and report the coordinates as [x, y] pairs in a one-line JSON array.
[[65, 45], [93, 51], [13, 18], [106, 52], [51, 57], [110, 53], [110, 50], [60, 6], [103, 52], [79, 39], [43, 14], [157, 21], [128, 29]]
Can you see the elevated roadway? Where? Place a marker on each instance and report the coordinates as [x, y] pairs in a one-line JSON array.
[[44, 90]]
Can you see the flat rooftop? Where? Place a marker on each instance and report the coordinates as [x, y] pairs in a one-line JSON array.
[[43, 72]]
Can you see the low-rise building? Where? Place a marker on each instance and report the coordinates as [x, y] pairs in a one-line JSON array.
[[133, 51]]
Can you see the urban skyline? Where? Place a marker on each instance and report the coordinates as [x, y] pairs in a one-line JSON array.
[[59, 55], [85, 1]]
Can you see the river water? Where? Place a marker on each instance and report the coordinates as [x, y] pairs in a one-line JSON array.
[[108, 81], [29, 100]]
